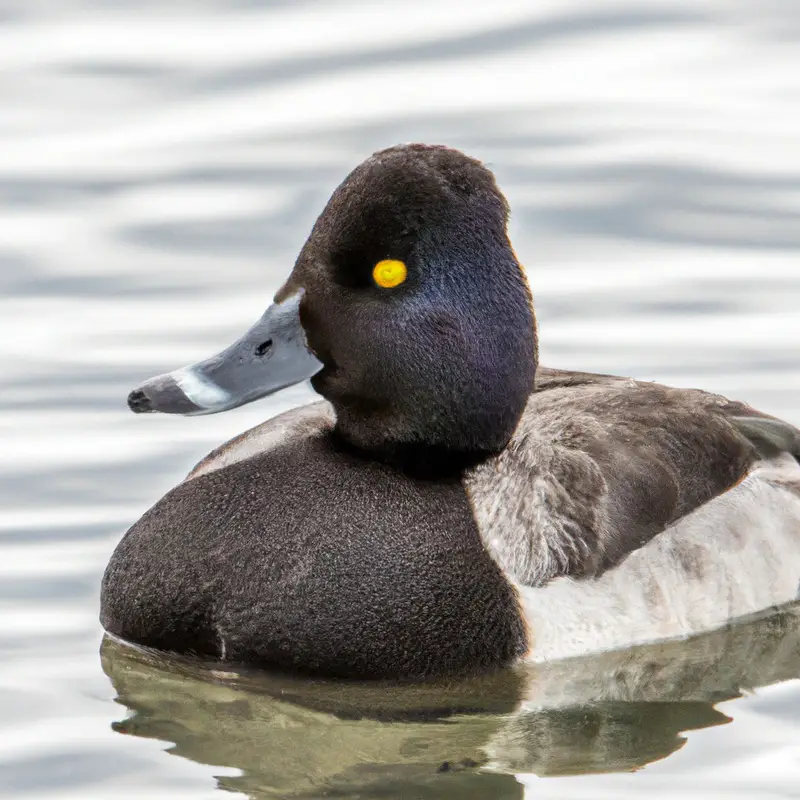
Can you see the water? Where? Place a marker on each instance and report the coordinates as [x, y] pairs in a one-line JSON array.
[[161, 164]]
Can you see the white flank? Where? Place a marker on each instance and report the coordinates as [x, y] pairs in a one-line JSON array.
[[736, 555]]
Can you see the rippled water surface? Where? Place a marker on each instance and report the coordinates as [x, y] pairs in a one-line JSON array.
[[160, 166]]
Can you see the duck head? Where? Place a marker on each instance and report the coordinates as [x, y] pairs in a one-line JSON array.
[[406, 308]]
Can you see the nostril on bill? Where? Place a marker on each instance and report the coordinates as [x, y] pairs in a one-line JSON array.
[[264, 348], [139, 402]]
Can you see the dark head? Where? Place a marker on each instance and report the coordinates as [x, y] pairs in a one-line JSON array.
[[412, 302]]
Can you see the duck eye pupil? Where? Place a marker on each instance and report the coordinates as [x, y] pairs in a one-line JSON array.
[[264, 347]]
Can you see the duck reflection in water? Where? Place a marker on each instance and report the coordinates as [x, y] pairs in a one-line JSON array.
[[611, 712]]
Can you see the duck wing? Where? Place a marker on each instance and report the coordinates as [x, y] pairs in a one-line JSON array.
[[600, 465]]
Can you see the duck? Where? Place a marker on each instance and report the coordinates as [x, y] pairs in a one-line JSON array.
[[449, 507]]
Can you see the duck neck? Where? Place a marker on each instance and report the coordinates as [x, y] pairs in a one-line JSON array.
[[422, 461], [457, 406]]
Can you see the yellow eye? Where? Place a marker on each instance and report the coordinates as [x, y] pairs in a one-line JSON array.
[[389, 273]]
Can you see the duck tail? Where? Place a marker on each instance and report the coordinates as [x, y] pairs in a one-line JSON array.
[[771, 437]]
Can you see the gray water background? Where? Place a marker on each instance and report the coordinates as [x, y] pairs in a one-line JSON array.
[[160, 166]]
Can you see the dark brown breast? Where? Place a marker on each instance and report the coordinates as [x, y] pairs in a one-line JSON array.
[[309, 559]]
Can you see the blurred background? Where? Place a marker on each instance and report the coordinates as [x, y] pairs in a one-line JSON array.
[[161, 163]]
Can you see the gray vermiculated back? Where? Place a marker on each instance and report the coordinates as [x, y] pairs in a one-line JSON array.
[[599, 465]]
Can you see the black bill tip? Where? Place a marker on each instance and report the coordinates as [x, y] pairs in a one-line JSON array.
[[139, 402]]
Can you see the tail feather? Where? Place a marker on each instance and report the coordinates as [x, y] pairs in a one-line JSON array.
[[771, 437]]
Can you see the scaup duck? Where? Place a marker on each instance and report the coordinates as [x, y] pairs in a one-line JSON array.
[[450, 507]]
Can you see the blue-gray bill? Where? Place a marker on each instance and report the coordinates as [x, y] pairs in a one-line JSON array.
[[272, 355]]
